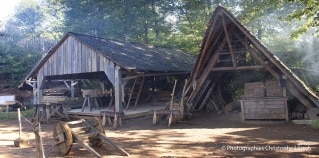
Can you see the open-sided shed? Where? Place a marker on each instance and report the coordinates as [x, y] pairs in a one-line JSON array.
[[78, 56], [229, 47]]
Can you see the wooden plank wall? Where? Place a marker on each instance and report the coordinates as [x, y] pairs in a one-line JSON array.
[[264, 109], [74, 57]]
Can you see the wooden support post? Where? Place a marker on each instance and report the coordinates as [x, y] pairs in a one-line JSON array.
[[181, 116], [118, 94], [154, 118], [229, 42], [38, 140], [7, 110], [118, 90], [20, 128], [72, 88], [103, 119], [33, 84], [173, 94], [20, 142], [47, 112], [39, 90], [34, 87]]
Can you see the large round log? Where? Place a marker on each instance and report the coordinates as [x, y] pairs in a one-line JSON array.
[[233, 106], [62, 135]]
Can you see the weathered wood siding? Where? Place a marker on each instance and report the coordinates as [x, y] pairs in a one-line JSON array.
[[74, 57], [264, 109]]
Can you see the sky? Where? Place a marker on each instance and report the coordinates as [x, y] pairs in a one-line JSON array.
[[7, 8]]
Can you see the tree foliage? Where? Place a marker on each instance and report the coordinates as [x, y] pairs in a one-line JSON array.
[[177, 24], [15, 62]]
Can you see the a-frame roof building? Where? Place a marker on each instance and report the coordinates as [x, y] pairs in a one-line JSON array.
[[229, 47]]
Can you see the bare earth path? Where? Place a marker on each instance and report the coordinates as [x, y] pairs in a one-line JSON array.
[[209, 135]]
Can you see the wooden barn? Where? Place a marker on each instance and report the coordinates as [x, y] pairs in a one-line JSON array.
[[231, 53], [122, 67]]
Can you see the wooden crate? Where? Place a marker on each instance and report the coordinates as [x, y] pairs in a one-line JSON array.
[[253, 90], [273, 89], [264, 109]]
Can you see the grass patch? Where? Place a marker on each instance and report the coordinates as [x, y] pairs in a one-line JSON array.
[[14, 115], [315, 123]]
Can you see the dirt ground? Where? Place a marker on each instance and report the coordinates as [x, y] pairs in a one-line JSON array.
[[206, 134]]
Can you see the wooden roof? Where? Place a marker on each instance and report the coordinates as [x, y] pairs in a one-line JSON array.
[[140, 57], [78, 54], [229, 46], [128, 55]]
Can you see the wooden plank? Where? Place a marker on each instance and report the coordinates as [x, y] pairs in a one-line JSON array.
[[7, 99], [199, 96], [206, 71], [265, 109], [273, 89], [229, 42], [303, 99], [107, 140], [208, 94], [302, 122], [131, 93], [255, 89], [139, 93], [238, 68], [207, 46], [84, 144]]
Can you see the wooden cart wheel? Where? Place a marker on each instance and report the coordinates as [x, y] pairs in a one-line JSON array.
[[97, 124], [62, 135]]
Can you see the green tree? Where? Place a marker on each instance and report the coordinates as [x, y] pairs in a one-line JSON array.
[[308, 14]]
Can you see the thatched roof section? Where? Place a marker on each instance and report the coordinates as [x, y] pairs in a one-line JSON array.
[[229, 47]]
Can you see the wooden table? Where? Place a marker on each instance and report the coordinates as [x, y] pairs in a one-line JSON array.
[[91, 98]]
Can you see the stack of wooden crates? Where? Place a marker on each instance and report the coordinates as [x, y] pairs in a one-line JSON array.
[[264, 101]]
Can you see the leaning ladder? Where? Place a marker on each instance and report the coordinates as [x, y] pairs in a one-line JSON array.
[[135, 92]]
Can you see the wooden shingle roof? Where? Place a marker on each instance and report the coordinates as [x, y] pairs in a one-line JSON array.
[[140, 57], [77, 54]]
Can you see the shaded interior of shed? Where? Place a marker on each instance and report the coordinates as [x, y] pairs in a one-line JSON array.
[[154, 89]]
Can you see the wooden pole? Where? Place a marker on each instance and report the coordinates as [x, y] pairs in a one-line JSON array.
[[20, 128], [18, 142], [7, 110], [72, 88], [41, 142], [118, 90], [37, 138]]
